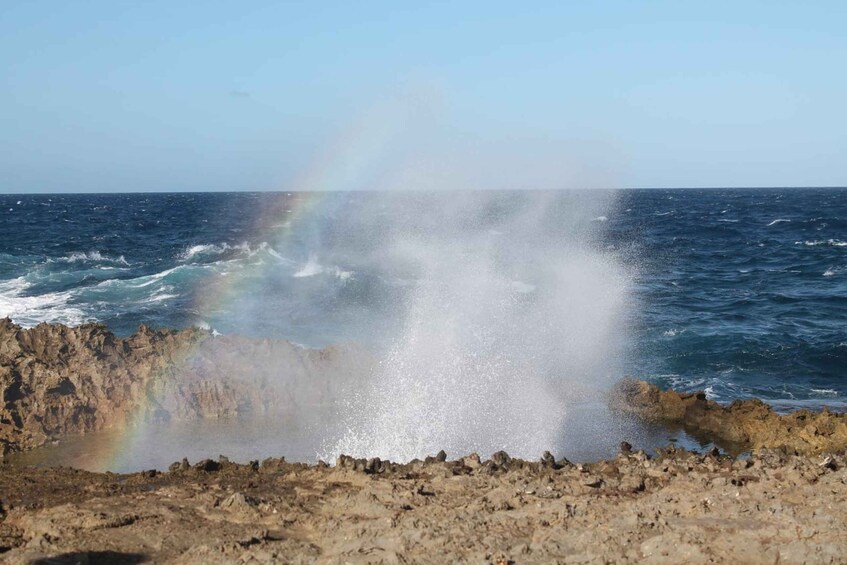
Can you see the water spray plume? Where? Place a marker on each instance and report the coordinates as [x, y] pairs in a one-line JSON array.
[[490, 317], [513, 314]]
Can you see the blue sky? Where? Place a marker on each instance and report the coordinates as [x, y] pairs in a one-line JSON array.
[[169, 96]]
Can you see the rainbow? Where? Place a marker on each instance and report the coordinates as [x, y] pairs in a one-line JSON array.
[[355, 161]]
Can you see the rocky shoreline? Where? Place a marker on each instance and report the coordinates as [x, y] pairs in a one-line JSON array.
[[746, 425], [784, 503], [58, 381]]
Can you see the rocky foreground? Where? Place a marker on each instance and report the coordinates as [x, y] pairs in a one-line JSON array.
[[677, 508], [785, 503]]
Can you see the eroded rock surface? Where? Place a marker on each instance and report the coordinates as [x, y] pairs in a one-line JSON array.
[[57, 380], [751, 423], [679, 507], [775, 507]]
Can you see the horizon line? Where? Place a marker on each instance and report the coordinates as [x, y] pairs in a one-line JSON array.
[[267, 191]]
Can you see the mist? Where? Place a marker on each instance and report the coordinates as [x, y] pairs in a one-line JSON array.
[[483, 290], [508, 312]]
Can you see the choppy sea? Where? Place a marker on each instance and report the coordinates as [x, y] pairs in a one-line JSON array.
[[740, 292]]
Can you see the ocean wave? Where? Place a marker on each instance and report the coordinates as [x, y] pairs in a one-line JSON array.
[[152, 279], [817, 242], [832, 271], [241, 250], [90, 257], [778, 221], [31, 310], [160, 295], [14, 286], [142, 282], [203, 249]]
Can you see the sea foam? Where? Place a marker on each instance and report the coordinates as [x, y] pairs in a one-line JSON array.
[[31, 310]]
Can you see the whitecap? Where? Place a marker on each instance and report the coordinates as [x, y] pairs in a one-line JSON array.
[[91, 256], [778, 221], [31, 310], [817, 242], [201, 249], [243, 249], [213, 249], [825, 391], [600, 219]]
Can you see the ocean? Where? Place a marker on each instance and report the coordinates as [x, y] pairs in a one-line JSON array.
[[742, 292]]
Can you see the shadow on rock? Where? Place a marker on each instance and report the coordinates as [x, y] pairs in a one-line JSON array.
[[93, 558]]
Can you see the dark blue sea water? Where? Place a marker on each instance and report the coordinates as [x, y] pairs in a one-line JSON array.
[[739, 292]]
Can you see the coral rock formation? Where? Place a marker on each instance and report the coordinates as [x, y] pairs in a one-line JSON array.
[[750, 423], [57, 380]]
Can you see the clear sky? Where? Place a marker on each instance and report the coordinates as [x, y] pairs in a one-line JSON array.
[[259, 95]]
